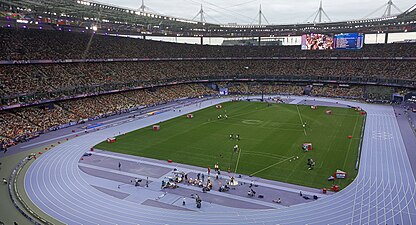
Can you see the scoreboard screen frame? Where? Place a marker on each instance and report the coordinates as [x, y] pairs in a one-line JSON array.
[[349, 41], [314, 42], [341, 41]]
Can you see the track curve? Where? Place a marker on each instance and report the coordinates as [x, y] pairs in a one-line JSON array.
[[382, 193]]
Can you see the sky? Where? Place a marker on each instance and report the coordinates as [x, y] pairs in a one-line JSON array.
[[275, 11]]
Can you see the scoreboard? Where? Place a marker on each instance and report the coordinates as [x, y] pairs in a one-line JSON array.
[[329, 41], [349, 41], [317, 42]]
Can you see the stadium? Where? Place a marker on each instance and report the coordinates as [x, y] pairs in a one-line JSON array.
[[111, 114]]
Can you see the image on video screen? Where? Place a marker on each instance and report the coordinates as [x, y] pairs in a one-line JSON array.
[[317, 42]]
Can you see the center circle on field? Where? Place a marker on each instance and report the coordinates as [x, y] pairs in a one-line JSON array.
[[252, 122]]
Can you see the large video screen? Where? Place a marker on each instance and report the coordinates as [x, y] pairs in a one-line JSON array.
[[223, 91], [317, 42], [349, 41]]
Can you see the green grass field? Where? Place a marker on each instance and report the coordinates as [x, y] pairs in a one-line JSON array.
[[271, 138]]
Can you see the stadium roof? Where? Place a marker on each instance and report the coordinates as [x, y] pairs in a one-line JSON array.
[[82, 13], [95, 12], [411, 12]]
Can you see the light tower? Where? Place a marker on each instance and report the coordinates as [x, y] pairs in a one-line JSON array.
[[260, 13], [319, 14], [388, 10], [261, 16], [142, 7], [390, 4], [201, 14]]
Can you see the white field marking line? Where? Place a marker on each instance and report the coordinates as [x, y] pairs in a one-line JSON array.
[[349, 146], [301, 121], [222, 136], [269, 128], [245, 113], [263, 123], [265, 154], [271, 166], [230, 117], [238, 160]]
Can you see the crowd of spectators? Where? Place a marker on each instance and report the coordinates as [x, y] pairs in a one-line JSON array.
[[263, 88], [382, 94], [277, 88], [29, 83], [333, 90], [40, 78], [15, 127], [23, 123], [44, 117], [361, 92], [23, 44], [26, 83]]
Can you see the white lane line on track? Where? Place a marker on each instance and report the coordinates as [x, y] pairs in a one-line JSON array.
[[197, 171], [50, 140], [119, 121], [349, 146], [116, 171], [403, 174], [66, 135], [309, 212], [71, 155]]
